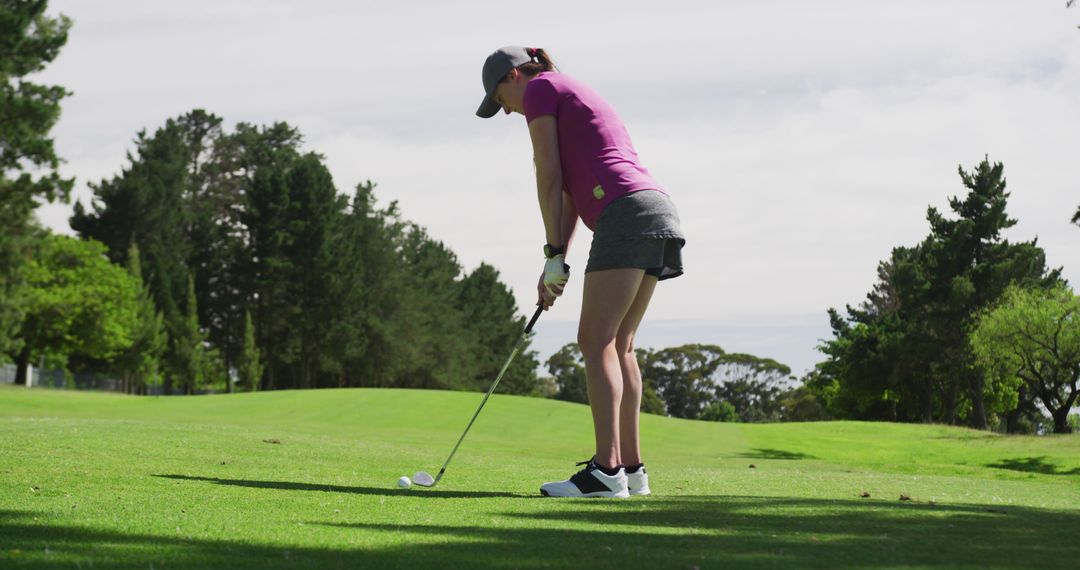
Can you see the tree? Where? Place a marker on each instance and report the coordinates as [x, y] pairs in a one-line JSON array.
[[140, 365], [692, 379], [752, 385], [267, 156], [568, 369], [368, 280], [801, 404], [311, 220], [904, 354], [29, 40], [428, 323], [201, 367], [339, 292], [651, 403], [77, 302], [683, 376], [490, 320], [1033, 337], [250, 366], [720, 411], [145, 204]]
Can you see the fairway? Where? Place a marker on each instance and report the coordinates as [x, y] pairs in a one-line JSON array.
[[306, 479]]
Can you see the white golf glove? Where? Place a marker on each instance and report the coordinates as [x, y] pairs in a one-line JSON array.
[[556, 274]]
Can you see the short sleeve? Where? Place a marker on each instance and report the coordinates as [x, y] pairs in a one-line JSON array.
[[541, 98]]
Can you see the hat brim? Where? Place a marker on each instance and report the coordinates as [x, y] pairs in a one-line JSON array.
[[488, 108]]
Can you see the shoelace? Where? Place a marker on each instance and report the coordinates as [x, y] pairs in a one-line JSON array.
[[588, 463]]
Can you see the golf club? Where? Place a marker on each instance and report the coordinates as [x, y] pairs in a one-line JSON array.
[[423, 478]]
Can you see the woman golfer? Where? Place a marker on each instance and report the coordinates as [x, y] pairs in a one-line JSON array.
[[586, 167]]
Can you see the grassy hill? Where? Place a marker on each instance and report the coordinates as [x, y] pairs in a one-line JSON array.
[[306, 479]]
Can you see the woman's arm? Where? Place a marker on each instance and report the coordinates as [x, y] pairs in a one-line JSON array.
[[549, 182], [569, 221]]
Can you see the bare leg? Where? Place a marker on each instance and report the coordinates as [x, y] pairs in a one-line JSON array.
[[630, 409], [608, 297]]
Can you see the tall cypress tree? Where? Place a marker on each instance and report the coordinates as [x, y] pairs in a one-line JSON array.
[[140, 365], [250, 364], [200, 364]]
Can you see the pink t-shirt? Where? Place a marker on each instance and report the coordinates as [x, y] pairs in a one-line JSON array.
[[599, 163]]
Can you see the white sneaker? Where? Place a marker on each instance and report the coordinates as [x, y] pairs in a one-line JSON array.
[[638, 483], [589, 482]]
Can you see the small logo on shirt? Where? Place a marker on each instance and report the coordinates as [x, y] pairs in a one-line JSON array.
[[598, 192]]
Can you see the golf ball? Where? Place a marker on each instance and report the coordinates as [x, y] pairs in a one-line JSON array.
[[404, 482]]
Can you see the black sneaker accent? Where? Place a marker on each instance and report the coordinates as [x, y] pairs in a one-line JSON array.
[[609, 472], [584, 480], [634, 468]]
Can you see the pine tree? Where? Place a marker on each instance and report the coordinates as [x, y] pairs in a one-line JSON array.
[[371, 287], [429, 323], [29, 40], [969, 266], [314, 214], [251, 368], [904, 355], [266, 268], [492, 326], [145, 204], [140, 365], [199, 364]]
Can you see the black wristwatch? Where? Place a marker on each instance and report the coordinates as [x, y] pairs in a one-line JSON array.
[[551, 251]]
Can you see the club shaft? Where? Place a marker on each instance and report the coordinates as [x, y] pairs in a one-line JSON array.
[[517, 348]]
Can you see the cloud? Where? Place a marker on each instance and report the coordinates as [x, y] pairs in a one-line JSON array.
[[800, 141]]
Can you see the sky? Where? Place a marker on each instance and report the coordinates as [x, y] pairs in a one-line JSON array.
[[801, 142]]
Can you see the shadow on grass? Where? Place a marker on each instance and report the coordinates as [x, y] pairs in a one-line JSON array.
[[1033, 465], [765, 453], [388, 492], [707, 532]]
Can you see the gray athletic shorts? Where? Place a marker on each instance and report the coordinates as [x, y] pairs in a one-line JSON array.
[[640, 229]]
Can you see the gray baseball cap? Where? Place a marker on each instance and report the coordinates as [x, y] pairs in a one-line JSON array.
[[496, 67]]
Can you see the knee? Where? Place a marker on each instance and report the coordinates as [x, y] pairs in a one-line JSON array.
[[625, 345], [593, 342]]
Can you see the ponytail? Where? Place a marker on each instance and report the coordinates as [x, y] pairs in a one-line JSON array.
[[541, 61]]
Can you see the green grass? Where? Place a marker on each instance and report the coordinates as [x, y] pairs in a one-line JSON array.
[[106, 481]]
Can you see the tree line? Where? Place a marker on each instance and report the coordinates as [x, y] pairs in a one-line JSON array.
[[263, 276], [700, 381], [219, 260]]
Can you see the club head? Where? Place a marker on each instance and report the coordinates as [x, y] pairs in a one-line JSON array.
[[424, 479]]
